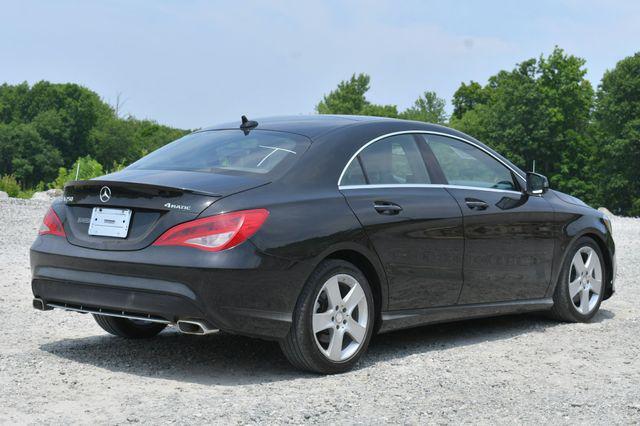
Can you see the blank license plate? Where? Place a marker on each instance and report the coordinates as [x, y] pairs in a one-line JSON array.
[[110, 222]]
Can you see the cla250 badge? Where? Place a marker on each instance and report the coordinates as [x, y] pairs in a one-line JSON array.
[[177, 206]]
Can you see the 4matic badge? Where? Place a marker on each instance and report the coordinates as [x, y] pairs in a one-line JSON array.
[[177, 206]]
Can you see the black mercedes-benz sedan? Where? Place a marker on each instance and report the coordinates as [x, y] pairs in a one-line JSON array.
[[319, 232]]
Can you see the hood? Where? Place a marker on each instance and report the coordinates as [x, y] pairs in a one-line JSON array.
[[570, 199]]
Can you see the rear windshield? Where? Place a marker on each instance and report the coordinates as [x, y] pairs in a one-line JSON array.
[[228, 151]]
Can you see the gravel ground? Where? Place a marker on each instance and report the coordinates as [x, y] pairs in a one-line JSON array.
[[58, 367]]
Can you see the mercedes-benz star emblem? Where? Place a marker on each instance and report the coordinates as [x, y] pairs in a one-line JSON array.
[[105, 194]]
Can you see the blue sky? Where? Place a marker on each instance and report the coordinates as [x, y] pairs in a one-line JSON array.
[[194, 63]]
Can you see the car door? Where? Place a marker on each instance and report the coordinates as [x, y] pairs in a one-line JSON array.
[[414, 225], [509, 244]]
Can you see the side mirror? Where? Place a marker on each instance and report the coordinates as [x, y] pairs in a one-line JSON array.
[[537, 184]]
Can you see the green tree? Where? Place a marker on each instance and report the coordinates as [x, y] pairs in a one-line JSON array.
[[46, 126], [150, 136], [54, 128], [390, 111], [73, 109], [467, 97], [539, 111], [24, 154], [617, 135], [428, 107], [113, 141], [349, 99], [123, 141]]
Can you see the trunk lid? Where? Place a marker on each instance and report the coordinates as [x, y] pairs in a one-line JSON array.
[[158, 200]]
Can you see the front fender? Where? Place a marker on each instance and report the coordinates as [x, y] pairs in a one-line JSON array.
[[591, 225]]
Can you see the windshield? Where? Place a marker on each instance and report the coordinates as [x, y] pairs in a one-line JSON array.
[[227, 151]]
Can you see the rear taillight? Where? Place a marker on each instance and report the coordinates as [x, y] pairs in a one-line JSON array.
[[215, 233], [51, 224]]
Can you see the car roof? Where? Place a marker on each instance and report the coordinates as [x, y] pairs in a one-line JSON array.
[[312, 125], [316, 125]]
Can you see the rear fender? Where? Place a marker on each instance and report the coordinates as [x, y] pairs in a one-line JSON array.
[[342, 249]]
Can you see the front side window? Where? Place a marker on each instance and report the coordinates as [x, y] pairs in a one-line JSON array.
[[395, 160], [227, 151], [465, 165]]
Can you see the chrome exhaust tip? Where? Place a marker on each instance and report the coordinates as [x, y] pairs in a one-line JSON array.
[[40, 305], [199, 328]]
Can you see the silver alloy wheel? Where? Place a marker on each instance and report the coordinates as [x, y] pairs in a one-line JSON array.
[[585, 280], [340, 322]]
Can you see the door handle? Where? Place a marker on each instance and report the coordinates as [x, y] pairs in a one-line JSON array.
[[385, 207], [475, 204]]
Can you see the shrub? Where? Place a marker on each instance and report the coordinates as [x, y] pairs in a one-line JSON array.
[[84, 167], [10, 185]]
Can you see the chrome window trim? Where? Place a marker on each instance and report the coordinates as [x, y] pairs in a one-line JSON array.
[[427, 185], [424, 132]]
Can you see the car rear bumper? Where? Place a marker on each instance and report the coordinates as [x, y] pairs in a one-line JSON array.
[[114, 293], [240, 291]]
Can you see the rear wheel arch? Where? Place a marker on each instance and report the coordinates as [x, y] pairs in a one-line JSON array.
[[377, 282], [302, 346]]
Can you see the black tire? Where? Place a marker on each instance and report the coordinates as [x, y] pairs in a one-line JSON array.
[[300, 346], [123, 327], [563, 307]]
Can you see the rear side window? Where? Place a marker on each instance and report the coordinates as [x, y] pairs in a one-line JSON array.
[[228, 151], [395, 160], [353, 175], [465, 165]]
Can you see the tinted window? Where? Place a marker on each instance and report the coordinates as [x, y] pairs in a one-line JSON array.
[[353, 175], [465, 165], [227, 151], [393, 160]]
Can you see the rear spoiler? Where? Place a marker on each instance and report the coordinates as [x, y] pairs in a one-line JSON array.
[[142, 188]]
